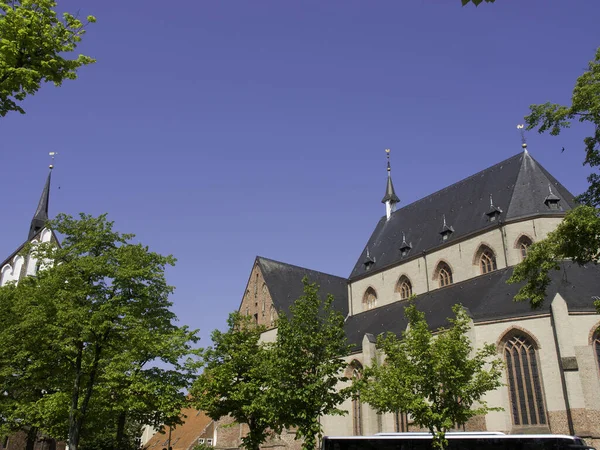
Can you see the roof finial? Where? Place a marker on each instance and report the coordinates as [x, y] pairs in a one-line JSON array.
[[368, 256], [444, 217], [521, 129], [390, 198], [387, 153], [491, 201], [52, 155], [550, 189]]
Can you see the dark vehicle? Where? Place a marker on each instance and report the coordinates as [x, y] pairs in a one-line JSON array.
[[457, 441]]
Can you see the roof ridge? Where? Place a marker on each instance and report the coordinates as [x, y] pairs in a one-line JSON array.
[[460, 181], [262, 258]]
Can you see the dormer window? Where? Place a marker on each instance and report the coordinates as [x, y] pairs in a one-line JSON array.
[[368, 262], [405, 247], [494, 211], [447, 230], [552, 200]]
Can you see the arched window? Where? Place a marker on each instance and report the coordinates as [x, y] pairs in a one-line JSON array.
[[487, 260], [370, 299], [404, 287], [357, 425], [444, 274], [524, 383], [522, 245], [272, 320], [264, 298]]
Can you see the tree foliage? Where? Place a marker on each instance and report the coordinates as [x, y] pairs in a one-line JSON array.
[[577, 238], [83, 337], [34, 48], [237, 378], [310, 350], [438, 380]]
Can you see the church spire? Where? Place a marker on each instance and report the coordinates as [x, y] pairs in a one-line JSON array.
[[41, 213], [390, 198]]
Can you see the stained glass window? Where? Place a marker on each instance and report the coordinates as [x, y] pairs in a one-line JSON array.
[[487, 261], [524, 383]]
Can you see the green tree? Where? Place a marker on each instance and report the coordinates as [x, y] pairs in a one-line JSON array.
[[237, 379], [438, 380], [80, 333], [578, 236], [309, 363], [34, 48]]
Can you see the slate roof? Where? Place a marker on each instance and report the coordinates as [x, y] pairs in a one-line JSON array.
[[519, 186], [41, 213], [284, 282], [487, 297]]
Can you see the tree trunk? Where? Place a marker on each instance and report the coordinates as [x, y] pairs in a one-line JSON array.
[[31, 438], [74, 426], [121, 430]]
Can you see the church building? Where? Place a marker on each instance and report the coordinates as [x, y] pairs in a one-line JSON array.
[[460, 245]]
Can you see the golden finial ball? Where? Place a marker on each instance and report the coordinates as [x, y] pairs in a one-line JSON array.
[[524, 145], [387, 150], [51, 166]]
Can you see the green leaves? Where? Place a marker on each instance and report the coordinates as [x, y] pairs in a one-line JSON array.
[[438, 380], [84, 336], [310, 350], [34, 44], [237, 378], [290, 383], [577, 237]]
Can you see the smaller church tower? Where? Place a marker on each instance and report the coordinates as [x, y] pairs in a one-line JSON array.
[[41, 213], [390, 198]]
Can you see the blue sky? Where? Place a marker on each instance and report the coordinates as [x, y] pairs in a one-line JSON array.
[[221, 130]]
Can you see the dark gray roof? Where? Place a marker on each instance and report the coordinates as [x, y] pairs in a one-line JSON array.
[[284, 282], [487, 297], [519, 186], [41, 213], [390, 194]]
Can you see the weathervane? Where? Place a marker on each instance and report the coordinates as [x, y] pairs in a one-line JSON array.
[[521, 127], [52, 155]]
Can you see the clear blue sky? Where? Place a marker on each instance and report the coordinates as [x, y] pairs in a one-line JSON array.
[[222, 130]]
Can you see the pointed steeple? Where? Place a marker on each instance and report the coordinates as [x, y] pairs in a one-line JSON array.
[[41, 213], [390, 198]]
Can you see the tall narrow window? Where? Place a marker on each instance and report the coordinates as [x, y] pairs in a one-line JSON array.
[[357, 425], [370, 299], [524, 383], [522, 246], [444, 274], [487, 261], [404, 287]]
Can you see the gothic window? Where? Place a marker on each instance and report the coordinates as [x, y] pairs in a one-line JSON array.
[[272, 316], [524, 383], [523, 246], [404, 287], [357, 421], [264, 298], [444, 274], [487, 260], [370, 299]]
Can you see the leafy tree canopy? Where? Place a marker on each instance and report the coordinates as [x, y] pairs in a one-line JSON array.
[[310, 350], [237, 378], [578, 236], [81, 339], [438, 380], [35, 45]]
